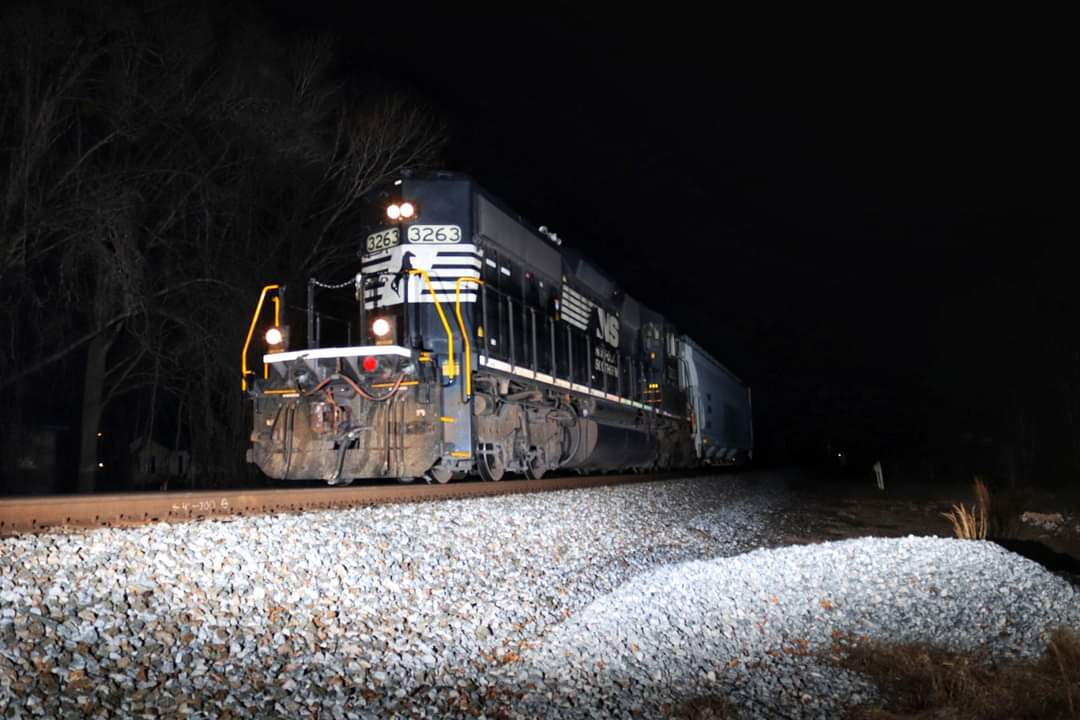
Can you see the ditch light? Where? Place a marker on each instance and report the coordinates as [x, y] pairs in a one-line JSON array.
[[382, 328], [277, 339]]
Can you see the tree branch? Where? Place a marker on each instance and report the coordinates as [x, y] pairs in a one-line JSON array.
[[72, 347]]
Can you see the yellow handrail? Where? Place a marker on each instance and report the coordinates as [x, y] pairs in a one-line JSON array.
[[451, 369], [464, 332], [277, 323], [251, 331]]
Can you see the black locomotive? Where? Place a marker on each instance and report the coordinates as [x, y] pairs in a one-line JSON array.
[[476, 344]]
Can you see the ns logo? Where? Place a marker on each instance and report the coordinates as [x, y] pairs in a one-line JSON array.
[[608, 327]]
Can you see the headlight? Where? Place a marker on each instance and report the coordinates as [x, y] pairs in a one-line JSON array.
[[274, 336], [407, 210], [393, 212], [380, 327]]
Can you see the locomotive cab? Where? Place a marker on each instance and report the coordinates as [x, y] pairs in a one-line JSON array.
[[385, 399]]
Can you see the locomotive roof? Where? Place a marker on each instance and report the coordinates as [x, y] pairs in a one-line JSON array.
[[577, 263], [489, 196], [632, 310]]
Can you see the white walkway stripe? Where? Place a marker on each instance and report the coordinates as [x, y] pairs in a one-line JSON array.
[[565, 384], [358, 351]]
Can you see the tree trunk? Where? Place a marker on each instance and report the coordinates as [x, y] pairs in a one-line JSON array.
[[92, 405], [180, 471]]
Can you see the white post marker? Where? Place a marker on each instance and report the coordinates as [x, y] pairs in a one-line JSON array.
[[879, 475]]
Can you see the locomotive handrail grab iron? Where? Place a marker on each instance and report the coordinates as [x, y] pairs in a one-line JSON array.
[[277, 323], [464, 332], [244, 372], [451, 369]]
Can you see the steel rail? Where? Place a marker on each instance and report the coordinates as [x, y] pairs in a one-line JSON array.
[[37, 513]]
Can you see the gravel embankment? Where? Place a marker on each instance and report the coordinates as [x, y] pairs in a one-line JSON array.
[[599, 602], [757, 628]]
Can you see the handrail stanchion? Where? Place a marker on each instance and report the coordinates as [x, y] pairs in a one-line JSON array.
[[451, 369], [277, 323], [244, 372], [464, 332], [588, 361], [513, 340], [618, 374], [311, 312], [554, 358], [484, 319], [569, 356], [532, 321]]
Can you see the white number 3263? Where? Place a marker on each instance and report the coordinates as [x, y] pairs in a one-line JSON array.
[[434, 234]]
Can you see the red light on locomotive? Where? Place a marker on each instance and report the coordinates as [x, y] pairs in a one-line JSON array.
[[370, 363]]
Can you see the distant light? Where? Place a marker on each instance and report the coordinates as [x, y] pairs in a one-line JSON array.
[[370, 363], [100, 434], [398, 181], [381, 327], [101, 465], [407, 210], [393, 212], [274, 336]]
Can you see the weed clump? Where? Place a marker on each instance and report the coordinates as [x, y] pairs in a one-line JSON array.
[[703, 708], [973, 523], [920, 682]]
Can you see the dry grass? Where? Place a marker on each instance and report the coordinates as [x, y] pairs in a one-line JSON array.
[[703, 708], [973, 523], [920, 682]]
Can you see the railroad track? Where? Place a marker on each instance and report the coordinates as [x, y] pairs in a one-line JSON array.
[[37, 513]]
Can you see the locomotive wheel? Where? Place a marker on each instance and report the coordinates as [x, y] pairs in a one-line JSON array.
[[490, 463], [440, 474], [535, 470]]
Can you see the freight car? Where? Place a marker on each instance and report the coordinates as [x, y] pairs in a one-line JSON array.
[[475, 344]]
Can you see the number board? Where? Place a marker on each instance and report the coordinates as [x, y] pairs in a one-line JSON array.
[[434, 234], [383, 240]]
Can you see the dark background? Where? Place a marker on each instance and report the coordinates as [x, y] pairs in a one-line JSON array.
[[870, 218]]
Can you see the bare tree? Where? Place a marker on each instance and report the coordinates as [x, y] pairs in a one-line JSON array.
[[371, 146], [150, 180]]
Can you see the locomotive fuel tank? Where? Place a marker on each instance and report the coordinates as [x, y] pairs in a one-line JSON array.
[[610, 447], [607, 438]]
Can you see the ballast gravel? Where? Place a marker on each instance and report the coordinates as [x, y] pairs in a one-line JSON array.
[[610, 602]]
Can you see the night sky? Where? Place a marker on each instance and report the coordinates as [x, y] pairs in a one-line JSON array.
[[853, 212]]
